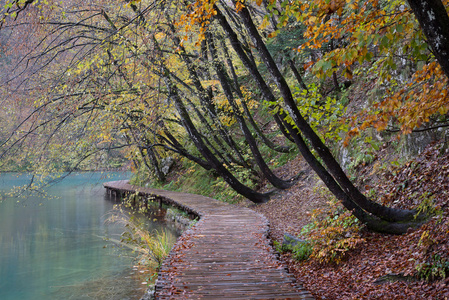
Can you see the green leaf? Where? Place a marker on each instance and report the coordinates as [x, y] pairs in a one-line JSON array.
[[369, 56], [384, 42], [327, 65]]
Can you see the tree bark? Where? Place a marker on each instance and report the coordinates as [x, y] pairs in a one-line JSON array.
[[208, 107], [434, 21], [224, 80], [386, 213], [251, 66], [260, 134], [217, 166]]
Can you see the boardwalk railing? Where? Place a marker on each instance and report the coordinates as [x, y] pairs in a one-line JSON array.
[[226, 255]]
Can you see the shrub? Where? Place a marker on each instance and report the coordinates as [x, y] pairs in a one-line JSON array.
[[300, 251], [332, 234], [435, 268]]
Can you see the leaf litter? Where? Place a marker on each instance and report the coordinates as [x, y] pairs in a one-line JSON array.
[[385, 266]]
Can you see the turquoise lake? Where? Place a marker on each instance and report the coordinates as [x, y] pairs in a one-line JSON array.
[[56, 248]]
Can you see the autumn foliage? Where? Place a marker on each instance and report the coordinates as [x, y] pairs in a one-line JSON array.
[[379, 41], [410, 266], [235, 87], [197, 81]]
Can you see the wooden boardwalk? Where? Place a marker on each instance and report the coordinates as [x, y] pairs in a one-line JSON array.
[[226, 255]]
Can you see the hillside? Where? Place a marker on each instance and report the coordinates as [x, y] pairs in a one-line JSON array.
[[410, 266], [233, 99]]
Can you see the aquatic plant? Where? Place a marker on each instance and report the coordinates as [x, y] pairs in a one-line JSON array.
[[152, 246]]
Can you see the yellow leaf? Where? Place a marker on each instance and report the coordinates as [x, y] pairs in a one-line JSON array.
[[272, 34], [239, 6], [264, 24]]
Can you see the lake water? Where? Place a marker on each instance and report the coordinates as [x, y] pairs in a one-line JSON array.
[[56, 249]]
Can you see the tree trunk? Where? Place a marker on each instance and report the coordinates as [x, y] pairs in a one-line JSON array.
[[434, 21], [386, 213], [207, 105], [371, 221], [217, 166], [297, 75], [224, 80], [251, 66], [182, 151], [157, 170], [260, 134]]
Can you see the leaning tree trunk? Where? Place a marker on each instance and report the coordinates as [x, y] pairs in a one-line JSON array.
[[157, 170], [383, 212], [297, 75], [434, 21], [251, 66], [181, 150], [207, 154], [224, 80], [257, 129], [224, 154], [205, 98], [372, 222], [151, 155], [208, 108]]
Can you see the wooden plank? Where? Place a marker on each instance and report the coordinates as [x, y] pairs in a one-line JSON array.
[[226, 255]]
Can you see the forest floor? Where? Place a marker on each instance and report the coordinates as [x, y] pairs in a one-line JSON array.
[[382, 266]]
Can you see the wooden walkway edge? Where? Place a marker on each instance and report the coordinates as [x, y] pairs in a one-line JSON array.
[[226, 255]]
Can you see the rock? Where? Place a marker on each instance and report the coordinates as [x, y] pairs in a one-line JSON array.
[[179, 220], [166, 164], [290, 241], [394, 277], [149, 295]]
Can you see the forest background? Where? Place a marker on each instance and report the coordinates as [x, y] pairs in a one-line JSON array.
[[220, 97]]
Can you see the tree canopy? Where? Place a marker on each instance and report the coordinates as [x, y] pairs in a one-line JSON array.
[[83, 82]]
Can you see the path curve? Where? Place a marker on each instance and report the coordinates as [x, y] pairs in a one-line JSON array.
[[226, 255]]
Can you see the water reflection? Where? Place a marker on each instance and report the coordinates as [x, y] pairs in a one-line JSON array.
[[57, 250]]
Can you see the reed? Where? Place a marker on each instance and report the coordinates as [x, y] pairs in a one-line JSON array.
[[151, 246]]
